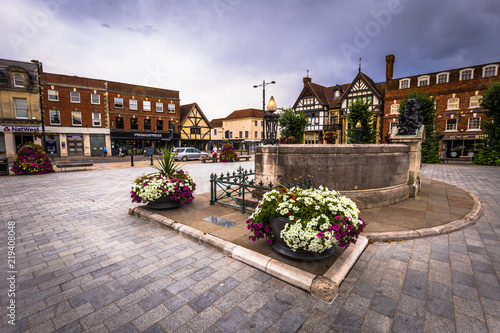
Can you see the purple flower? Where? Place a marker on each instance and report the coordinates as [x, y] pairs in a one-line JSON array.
[[270, 241], [338, 236], [337, 217], [319, 234], [253, 239], [341, 244], [336, 227]]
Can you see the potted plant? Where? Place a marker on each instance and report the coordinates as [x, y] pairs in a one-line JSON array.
[[31, 159], [228, 153], [306, 224], [168, 188]]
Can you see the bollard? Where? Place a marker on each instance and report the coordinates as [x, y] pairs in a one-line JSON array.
[[151, 159], [132, 160]]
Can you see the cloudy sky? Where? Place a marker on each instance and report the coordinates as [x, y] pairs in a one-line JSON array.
[[215, 51]]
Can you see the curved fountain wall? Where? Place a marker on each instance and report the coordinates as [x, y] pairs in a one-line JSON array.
[[373, 174]]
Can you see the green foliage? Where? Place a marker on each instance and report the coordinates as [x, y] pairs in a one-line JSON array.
[[488, 152], [430, 147], [293, 124], [359, 111], [166, 164]]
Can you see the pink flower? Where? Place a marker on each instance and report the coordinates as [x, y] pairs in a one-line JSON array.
[[270, 241], [337, 235], [319, 234]]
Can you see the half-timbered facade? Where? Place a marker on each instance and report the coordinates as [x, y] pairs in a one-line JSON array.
[[194, 127]]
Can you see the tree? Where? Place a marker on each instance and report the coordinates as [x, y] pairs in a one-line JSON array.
[[488, 151], [359, 111], [293, 124], [430, 146]]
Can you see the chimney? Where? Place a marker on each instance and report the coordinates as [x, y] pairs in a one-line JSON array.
[[306, 80], [389, 66]]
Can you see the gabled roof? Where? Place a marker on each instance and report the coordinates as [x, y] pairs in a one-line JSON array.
[[324, 94], [216, 122], [369, 82], [186, 110], [245, 113]]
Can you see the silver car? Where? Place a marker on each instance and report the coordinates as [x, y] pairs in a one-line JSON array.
[[184, 154]]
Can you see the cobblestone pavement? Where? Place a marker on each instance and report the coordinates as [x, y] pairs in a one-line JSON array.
[[84, 264]]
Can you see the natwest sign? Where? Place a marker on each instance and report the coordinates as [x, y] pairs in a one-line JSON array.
[[14, 128]]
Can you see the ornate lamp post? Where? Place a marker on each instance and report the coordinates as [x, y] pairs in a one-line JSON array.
[[37, 63], [263, 85], [271, 122], [357, 132]]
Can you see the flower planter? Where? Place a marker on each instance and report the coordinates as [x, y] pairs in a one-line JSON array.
[[280, 246], [164, 203]]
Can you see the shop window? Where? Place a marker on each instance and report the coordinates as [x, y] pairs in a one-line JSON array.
[[404, 83], [466, 74], [132, 104], [159, 107], [147, 124], [451, 124], [55, 117], [475, 101], [76, 118], [96, 119], [134, 124], [146, 105], [423, 81], [120, 123], [118, 102], [442, 78], [453, 103], [75, 97], [159, 125], [95, 98], [171, 125], [474, 124], [21, 108], [18, 81], [171, 108], [53, 95], [489, 71], [2, 143]]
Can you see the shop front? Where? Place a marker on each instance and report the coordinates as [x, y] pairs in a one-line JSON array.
[[460, 145], [13, 137], [137, 143]]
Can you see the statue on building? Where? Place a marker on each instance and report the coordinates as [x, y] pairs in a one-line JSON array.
[[411, 119]]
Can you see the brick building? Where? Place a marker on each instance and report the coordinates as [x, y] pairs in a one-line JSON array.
[[458, 95]]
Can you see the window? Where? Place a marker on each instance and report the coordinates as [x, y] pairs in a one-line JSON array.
[[95, 98], [395, 108], [451, 124], [474, 124], [118, 102], [255, 135], [120, 124], [475, 101], [453, 103], [195, 130], [466, 74], [76, 118], [392, 125], [337, 94], [256, 123], [96, 119], [261, 123], [134, 124], [146, 105], [241, 135], [171, 125], [159, 107], [18, 81], [132, 104], [489, 71], [442, 78], [159, 125], [75, 97], [246, 134], [147, 124], [423, 81], [262, 135], [215, 131], [21, 108], [55, 117], [53, 95], [171, 108], [404, 83]]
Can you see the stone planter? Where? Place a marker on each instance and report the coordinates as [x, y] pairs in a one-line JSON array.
[[280, 246], [164, 203]]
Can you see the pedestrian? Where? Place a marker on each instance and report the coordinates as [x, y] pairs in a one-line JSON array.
[[214, 152], [120, 153], [104, 151]]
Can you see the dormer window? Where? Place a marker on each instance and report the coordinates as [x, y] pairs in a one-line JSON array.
[[404, 83], [336, 94], [442, 78], [466, 74], [491, 70], [423, 80], [18, 81]]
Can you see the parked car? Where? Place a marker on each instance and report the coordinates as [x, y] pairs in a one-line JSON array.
[[184, 154]]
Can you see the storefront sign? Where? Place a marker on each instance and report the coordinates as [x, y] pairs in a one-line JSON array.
[[148, 135], [139, 135], [14, 128]]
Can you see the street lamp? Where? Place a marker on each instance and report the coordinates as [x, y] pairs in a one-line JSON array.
[[271, 122], [263, 85], [37, 63]]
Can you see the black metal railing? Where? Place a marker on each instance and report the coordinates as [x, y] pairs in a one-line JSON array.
[[242, 190]]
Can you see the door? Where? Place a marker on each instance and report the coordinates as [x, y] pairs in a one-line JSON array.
[[75, 145], [97, 143]]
